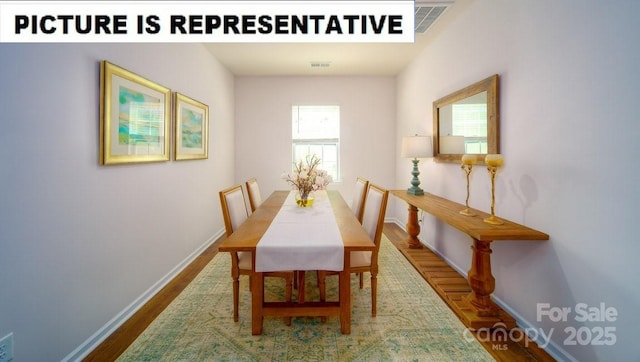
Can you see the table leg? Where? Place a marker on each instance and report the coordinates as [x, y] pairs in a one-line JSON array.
[[301, 280], [481, 280], [413, 228], [257, 302], [344, 285]]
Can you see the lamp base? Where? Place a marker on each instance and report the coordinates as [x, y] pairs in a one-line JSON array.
[[415, 181]]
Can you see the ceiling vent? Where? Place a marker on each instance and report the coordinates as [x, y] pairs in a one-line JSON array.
[[426, 14], [320, 64]]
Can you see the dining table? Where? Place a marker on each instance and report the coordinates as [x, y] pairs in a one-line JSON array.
[[283, 236]]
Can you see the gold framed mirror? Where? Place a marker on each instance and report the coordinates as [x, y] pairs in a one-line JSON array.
[[466, 122]]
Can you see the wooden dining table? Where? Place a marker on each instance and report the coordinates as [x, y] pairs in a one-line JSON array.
[[248, 235]]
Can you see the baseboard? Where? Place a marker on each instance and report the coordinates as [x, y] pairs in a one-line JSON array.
[[551, 347], [98, 337]]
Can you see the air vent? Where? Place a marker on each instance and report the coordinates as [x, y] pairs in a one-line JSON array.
[[427, 13], [320, 64]]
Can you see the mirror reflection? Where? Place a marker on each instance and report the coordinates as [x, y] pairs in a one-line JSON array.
[[466, 122], [463, 125]]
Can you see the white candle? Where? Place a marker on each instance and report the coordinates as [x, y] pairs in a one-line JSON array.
[[468, 159], [494, 160]]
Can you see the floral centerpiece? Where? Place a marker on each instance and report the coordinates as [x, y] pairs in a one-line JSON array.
[[306, 178]]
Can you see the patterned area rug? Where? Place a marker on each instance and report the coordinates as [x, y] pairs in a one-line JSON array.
[[412, 323]]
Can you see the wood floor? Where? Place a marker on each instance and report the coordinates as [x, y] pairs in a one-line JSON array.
[[445, 280]]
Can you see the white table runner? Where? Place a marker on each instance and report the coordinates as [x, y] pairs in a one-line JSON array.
[[302, 238]]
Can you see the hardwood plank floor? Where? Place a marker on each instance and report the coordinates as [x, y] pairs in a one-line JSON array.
[[449, 284]]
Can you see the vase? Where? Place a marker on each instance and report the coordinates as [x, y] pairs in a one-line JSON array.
[[304, 198]]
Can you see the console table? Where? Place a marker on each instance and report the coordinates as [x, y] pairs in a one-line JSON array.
[[477, 310]]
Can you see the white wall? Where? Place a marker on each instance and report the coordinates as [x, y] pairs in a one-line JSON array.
[[76, 250], [569, 133], [80, 242], [263, 127]]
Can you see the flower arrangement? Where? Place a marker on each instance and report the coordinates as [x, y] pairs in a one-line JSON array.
[[307, 177]]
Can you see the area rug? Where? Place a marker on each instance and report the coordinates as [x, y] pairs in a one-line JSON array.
[[412, 322]]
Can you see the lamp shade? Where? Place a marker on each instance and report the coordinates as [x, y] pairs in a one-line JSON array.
[[416, 147]]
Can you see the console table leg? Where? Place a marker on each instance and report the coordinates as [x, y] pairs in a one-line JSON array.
[[413, 228], [481, 280]]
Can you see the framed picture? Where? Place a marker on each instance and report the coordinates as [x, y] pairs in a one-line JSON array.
[[135, 117], [191, 128]]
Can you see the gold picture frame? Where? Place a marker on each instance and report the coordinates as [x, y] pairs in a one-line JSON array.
[[191, 133], [135, 117]]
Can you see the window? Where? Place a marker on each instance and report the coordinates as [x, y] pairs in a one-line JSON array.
[[316, 130]]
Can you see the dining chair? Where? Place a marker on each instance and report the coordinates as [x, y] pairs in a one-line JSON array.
[[375, 206], [357, 205], [234, 212], [253, 191]]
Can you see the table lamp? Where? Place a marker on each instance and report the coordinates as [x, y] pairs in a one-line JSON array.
[[416, 147]]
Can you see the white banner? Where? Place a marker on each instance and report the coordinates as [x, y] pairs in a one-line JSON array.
[[206, 21]]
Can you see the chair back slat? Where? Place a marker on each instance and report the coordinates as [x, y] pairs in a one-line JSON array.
[[375, 207], [234, 210], [253, 191], [357, 205]]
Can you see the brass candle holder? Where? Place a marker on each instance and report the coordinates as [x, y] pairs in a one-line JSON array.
[[467, 166], [493, 162]]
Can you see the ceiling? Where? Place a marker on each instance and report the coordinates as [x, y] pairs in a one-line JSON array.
[[325, 59], [305, 59]]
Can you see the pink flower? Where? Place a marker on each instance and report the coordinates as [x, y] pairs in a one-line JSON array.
[[307, 177]]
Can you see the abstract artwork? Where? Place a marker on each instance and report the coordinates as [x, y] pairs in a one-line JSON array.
[[191, 128], [134, 117]]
